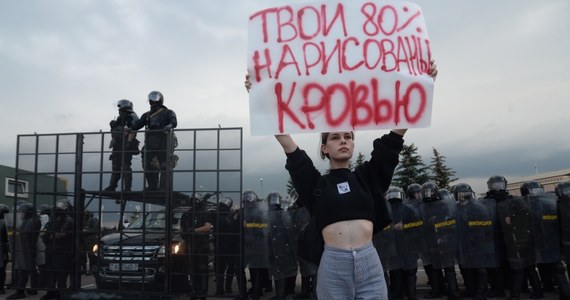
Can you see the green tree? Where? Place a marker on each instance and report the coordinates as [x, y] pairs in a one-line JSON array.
[[411, 168], [360, 159], [289, 185], [441, 174]]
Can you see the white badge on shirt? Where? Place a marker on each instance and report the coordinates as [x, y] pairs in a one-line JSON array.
[[343, 187]]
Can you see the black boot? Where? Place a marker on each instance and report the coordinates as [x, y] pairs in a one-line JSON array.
[[127, 181], [534, 281], [19, 294], [151, 181], [219, 285], [561, 281], [279, 290], [396, 285], [452, 289], [411, 287], [113, 182], [480, 284], [436, 281], [229, 280]]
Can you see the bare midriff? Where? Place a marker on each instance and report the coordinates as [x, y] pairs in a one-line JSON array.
[[348, 234]]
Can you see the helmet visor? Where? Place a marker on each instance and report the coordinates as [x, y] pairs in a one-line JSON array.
[[497, 186], [249, 197], [154, 97], [394, 195]]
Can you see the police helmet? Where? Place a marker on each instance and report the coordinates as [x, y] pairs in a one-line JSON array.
[[531, 188], [61, 206], [45, 209], [155, 97], [395, 192], [225, 203], [26, 208], [414, 191], [463, 191], [274, 198], [4, 209], [125, 105], [562, 189], [429, 190], [497, 183], [249, 196], [445, 194]]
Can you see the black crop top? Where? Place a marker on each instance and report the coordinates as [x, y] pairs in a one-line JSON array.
[[343, 194]]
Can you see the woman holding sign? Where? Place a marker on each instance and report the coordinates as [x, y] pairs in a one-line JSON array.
[[348, 208]]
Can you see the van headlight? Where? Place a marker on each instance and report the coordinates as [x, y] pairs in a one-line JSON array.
[[176, 248]]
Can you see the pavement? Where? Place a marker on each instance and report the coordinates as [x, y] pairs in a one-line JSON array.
[[89, 290]]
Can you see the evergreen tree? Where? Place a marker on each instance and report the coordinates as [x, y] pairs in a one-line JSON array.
[[360, 159], [289, 185], [441, 174], [411, 168]]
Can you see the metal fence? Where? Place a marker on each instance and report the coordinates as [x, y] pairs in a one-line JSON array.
[[122, 241]]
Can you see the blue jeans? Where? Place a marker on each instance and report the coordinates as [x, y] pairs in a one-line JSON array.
[[351, 274]]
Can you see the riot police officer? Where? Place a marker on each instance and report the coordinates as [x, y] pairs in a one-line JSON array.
[[476, 245], [441, 240], [562, 191], [226, 245], [280, 252], [159, 141], [196, 226], [58, 238], [399, 245], [4, 248], [255, 231], [25, 248], [124, 146], [514, 237]]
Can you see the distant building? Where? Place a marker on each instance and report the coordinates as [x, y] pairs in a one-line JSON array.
[[30, 187], [548, 180]]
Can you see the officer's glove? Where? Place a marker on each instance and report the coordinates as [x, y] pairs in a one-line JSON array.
[[167, 128]]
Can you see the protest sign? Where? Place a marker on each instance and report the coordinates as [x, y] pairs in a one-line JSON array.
[[334, 66]]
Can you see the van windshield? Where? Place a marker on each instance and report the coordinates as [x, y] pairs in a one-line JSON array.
[[155, 220]]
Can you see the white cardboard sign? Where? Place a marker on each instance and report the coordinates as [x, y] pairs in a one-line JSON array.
[[339, 65]]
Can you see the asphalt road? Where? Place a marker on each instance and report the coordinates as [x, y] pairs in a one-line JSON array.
[[88, 287]]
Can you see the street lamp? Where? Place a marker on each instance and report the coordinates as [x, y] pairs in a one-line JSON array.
[[261, 182]]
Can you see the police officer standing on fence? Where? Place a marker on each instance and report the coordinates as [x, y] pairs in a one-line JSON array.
[[124, 146], [159, 122]]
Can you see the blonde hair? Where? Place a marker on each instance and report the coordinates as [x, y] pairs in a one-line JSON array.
[[323, 141]]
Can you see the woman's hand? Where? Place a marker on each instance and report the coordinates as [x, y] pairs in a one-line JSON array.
[[432, 69], [247, 83]]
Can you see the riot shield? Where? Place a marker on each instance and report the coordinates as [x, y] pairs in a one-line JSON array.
[[281, 254], [385, 240], [385, 244], [545, 228], [564, 214], [440, 233], [476, 236], [515, 221], [411, 239], [491, 205], [255, 234]]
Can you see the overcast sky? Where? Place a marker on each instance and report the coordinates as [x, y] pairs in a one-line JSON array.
[[501, 99]]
